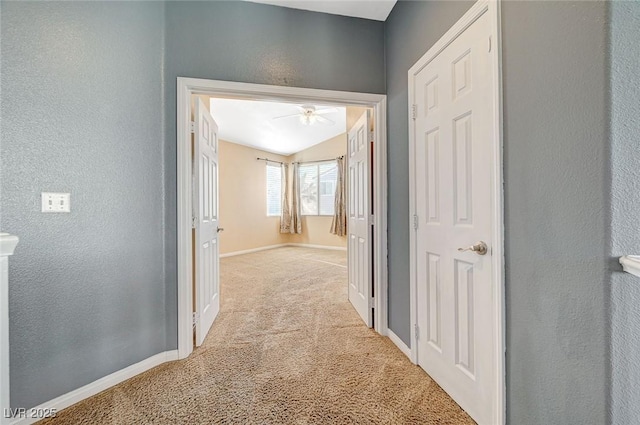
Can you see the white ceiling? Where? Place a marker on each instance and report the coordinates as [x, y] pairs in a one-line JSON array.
[[251, 123], [369, 9]]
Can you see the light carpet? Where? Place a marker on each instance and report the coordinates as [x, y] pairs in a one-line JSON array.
[[286, 348]]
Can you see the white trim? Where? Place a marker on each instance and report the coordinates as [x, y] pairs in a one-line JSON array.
[[100, 385], [631, 264], [7, 246], [249, 251], [329, 247], [399, 343], [188, 86], [282, 245], [492, 7]]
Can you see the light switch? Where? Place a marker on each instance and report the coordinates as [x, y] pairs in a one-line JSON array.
[[56, 202]]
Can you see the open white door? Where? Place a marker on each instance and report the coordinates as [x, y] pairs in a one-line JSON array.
[[453, 141], [205, 211], [359, 223]]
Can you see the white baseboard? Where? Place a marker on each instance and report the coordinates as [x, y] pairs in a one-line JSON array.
[[282, 245], [249, 251], [399, 343], [100, 385], [333, 248]]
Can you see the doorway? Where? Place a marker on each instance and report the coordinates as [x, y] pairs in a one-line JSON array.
[[187, 87]]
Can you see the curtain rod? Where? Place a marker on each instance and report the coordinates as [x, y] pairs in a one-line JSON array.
[[269, 160], [319, 160]]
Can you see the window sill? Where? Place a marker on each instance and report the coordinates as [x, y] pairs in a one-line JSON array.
[[631, 264]]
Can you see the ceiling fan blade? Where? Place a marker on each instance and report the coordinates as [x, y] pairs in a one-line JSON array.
[[324, 120], [286, 116], [326, 111]]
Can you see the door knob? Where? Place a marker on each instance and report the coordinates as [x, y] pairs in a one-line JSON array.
[[220, 229], [480, 248]]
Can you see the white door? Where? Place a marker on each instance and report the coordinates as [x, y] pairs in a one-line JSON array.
[[453, 145], [359, 212], [205, 196]]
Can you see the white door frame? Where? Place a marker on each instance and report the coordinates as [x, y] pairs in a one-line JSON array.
[[492, 7], [187, 87]]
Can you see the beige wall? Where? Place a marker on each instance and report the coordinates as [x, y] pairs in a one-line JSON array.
[[315, 229], [353, 114], [243, 200], [242, 194]]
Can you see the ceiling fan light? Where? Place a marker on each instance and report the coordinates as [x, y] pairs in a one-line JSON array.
[[307, 119]]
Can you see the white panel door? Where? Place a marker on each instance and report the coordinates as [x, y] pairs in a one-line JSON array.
[[207, 254], [359, 212], [453, 171]]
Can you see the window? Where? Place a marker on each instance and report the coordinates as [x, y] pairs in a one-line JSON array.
[[318, 187], [274, 190]]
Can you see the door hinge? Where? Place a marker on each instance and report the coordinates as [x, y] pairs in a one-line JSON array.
[[416, 331], [372, 220], [194, 222], [195, 318], [415, 222], [192, 126], [489, 43], [414, 111], [372, 302]]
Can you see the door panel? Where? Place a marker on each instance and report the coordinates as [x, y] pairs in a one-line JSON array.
[[207, 257], [453, 169], [358, 229]]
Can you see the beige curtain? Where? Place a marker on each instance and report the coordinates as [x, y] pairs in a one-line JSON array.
[[296, 217], [339, 223], [285, 214]]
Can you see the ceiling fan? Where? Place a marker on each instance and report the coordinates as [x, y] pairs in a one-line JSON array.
[[309, 115]]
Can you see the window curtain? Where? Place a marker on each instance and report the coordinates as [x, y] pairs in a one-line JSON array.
[[285, 212], [339, 222], [296, 216]]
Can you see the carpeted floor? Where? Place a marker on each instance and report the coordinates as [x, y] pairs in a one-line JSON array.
[[287, 348]]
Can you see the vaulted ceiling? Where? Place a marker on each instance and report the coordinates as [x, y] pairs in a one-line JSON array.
[[369, 9]]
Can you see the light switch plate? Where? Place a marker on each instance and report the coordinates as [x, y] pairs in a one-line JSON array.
[[56, 202]]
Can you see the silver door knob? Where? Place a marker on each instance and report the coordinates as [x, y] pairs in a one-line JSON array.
[[480, 248], [220, 229]]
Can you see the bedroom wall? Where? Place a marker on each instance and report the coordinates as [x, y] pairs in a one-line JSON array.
[[243, 199], [315, 229]]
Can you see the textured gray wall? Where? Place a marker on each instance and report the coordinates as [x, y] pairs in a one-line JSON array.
[[555, 105], [556, 172], [82, 105], [411, 29], [255, 43], [83, 111], [625, 211]]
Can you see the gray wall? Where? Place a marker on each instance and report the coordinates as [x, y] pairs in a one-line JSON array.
[[555, 105], [556, 172], [411, 29], [89, 88], [81, 111], [625, 210], [255, 43]]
